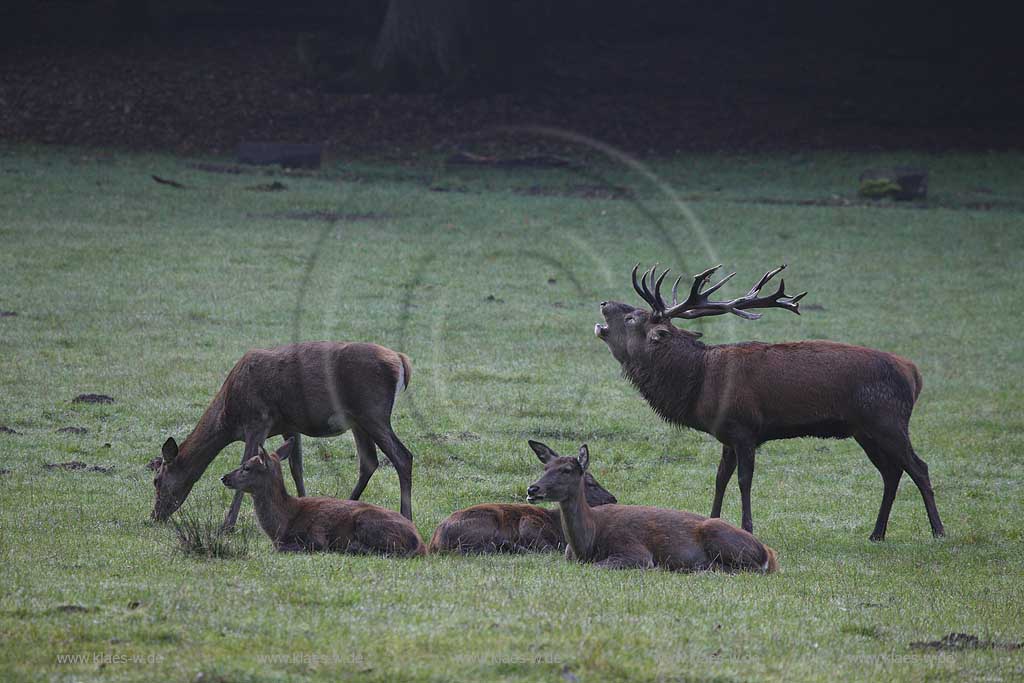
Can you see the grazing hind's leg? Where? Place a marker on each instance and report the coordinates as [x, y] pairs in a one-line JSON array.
[[891, 472], [295, 463], [726, 466], [252, 448], [401, 458], [367, 452]]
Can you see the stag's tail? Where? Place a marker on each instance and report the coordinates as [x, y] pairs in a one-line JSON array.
[[406, 369]]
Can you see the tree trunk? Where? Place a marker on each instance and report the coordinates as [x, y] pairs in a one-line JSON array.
[[425, 42]]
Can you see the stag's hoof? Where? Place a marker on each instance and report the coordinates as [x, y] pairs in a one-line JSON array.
[[876, 538]]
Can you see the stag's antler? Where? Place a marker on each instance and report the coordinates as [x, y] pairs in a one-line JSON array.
[[698, 305]]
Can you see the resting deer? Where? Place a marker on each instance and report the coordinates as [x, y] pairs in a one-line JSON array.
[[311, 524], [749, 393], [312, 388], [634, 536], [511, 528]]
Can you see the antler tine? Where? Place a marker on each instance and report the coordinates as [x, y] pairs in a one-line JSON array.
[[642, 289], [649, 297], [699, 305], [764, 279], [675, 290], [717, 286], [657, 290]]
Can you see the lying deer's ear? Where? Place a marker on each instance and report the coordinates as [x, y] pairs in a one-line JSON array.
[[286, 449], [169, 450], [584, 457], [544, 454]]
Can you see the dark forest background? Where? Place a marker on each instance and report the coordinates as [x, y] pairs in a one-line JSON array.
[[407, 76]]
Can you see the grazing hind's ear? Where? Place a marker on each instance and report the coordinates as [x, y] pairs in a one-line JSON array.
[[169, 450], [544, 454], [584, 457], [286, 449]]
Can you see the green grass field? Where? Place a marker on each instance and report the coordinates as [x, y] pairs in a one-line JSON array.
[[147, 293]]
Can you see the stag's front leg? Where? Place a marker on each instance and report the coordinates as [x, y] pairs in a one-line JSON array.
[[745, 463], [726, 466]]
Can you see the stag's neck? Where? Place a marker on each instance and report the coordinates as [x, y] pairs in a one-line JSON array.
[[275, 509], [578, 524], [670, 380], [209, 438]]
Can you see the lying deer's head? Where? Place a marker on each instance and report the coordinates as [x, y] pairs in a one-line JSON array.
[[562, 478], [596, 494], [172, 482], [632, 332], [260, 471]]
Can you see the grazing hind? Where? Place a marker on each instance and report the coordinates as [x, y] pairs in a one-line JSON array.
[[312, 388], [311, 524], [638, 537], [509, 527]]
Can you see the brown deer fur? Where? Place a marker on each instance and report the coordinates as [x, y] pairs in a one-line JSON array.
[[312, 524], [511, 528], [313, 388], [633, 536], [749, 393]]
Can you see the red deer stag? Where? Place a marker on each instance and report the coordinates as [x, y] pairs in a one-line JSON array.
[[746, 394], [311, 524], [635, 536], [311, 388], [511, 528]]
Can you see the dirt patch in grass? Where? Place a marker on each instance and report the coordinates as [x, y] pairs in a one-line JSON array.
[[72, 609], [964, 641], [72, 430], [8, 314], [269, 187], [579, 191], [92, 398], [77, 465], [327, 216], [3, 471], [4, 429]]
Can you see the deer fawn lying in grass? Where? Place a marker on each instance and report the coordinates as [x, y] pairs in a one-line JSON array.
[[749, 393], [306, 524], [511, 528], [312, 388], [633, 536]]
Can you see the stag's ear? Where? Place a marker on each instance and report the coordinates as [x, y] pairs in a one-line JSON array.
[[544, 454], [584, 457], [169, 450], [286, 449], [657, 335]]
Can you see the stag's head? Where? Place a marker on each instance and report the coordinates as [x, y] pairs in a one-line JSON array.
[[259, 472], [596, 494], [631, 332], [172, 482], [562, 478]]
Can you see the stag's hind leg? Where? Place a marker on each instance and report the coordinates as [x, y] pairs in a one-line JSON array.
[[891, 471], [895, 443]]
